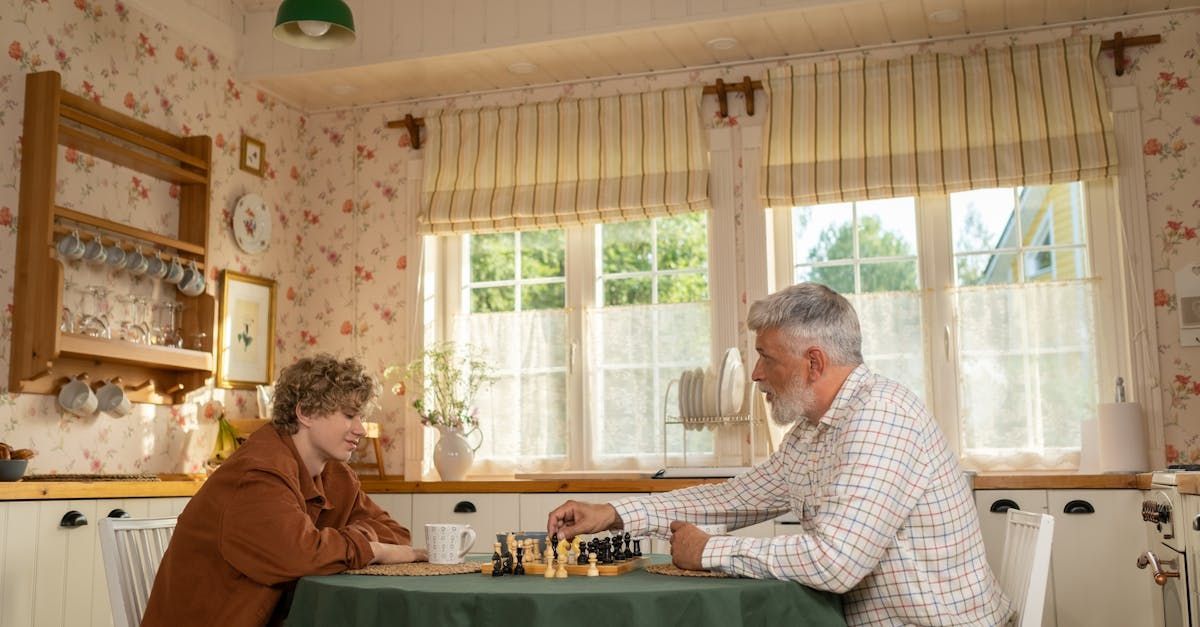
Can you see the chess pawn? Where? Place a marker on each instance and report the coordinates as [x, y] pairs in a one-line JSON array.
[[593, 571], [549, 572], [563, 548]]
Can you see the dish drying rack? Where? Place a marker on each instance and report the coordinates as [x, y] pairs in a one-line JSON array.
[[732, 445]]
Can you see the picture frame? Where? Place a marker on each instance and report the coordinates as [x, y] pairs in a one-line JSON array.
[[253, 157], [246, 337]]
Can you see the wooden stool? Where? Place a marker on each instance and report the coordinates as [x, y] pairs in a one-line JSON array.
[[376, 466]]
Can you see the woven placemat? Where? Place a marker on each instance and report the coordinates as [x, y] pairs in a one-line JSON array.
[[416, 569], [674, 571]]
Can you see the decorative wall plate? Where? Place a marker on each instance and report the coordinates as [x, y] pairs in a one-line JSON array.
[[252, 224]]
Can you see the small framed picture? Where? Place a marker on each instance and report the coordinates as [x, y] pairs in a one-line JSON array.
[[254, 155], [246, 339]]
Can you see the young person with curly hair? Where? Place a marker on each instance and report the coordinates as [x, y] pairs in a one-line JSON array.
[[284, 506]]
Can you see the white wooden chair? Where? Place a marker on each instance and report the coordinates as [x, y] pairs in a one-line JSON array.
[[1025, 567], [132, 549]]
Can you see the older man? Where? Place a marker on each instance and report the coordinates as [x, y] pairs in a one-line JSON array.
[[886, 514]]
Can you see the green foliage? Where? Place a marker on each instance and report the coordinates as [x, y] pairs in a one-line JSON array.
[[449, 382], [837, 242], [681, 243]]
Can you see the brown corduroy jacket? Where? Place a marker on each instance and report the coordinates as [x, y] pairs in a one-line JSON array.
[[258, 524]]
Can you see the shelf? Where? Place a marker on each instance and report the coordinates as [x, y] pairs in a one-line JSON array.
[[86, 118], [149, 165], [122, 352], [708, 420], [100, 223]]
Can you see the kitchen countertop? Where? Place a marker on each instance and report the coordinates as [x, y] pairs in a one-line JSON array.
[[186, 485]]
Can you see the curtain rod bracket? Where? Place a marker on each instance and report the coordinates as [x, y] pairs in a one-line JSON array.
[[1120, 42], [722, 100], [413, 126]]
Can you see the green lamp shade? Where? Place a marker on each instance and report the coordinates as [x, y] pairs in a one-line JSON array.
[[314, 24]]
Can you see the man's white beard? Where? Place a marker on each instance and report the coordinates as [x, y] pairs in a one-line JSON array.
[[790, 405]]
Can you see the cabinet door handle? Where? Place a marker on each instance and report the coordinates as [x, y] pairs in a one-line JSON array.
[[999, 506], [73, 518], [1079, 507], [464, 507], [118, 513]]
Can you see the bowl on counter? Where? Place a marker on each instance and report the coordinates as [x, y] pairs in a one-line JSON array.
[[12, 469]]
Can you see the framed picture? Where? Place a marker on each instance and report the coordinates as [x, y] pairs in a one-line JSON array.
[[254, 155], [246, 338]]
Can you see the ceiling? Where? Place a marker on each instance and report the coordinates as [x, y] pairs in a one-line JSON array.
[[826, 25]]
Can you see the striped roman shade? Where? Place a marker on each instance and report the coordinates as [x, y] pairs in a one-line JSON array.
[[933, 124], [565, 162]]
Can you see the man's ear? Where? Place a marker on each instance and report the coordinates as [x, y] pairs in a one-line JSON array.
[[818, 361]]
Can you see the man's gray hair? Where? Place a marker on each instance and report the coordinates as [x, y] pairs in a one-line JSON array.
[[813, 313]]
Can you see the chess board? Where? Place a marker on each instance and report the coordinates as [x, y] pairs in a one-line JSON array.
[[574, 570]]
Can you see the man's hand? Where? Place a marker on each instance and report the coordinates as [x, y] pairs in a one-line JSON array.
[[397, 553], [573, 518], [687, 545]]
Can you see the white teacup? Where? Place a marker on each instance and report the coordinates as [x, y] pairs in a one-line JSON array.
[[77, 397], [448, 543], [111, 399]]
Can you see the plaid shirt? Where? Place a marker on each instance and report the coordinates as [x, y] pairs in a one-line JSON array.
[[888, 518]]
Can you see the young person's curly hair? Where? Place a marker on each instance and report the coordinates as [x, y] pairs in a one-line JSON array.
[[320, 385]]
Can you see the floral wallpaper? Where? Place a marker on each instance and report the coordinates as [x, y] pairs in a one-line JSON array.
[[338, 184]]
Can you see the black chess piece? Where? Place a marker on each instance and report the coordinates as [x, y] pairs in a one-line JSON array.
[[628, 551], [519, 569], [582, 559], [507, 560], [637, 547], [497, 564]]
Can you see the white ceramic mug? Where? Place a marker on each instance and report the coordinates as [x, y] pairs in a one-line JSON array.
[[448, 543], [77, 397], [111, 399]]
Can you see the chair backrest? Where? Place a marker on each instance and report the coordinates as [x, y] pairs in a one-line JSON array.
[[132, 549], [1025, 567]]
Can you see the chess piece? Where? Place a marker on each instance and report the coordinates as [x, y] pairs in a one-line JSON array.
[[549, 558], [575, 550], [637, 547], [512, 544], [519, 569], [497, 563], [563, 547], [593, 571], [628, 551], [507, 559]]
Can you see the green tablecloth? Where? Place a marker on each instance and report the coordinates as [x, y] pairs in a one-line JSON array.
[[635, 598]]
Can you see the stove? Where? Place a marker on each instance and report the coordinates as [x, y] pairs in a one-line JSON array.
[[1173, 548]]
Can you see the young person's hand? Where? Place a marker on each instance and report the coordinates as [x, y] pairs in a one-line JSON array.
[[397, 553], [573, 518]]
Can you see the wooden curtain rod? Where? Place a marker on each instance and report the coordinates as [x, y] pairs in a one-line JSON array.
[[1118, 44], [747, 87]]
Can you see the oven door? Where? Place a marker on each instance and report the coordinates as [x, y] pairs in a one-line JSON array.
[[1173, 591]]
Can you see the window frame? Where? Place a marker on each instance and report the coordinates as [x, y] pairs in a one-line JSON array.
[[935, 262]]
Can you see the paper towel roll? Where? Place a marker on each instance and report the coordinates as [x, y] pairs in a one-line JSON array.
[[1123, 443], [1089, 447]]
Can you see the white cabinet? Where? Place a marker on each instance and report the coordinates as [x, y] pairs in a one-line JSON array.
[[1093, 578], [488, 514], [52, 575], [398, 506]]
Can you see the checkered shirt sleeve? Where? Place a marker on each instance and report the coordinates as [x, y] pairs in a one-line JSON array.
[[887, 516]]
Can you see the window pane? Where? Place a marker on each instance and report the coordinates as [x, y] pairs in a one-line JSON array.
[[683, 242], [1055, 265], [823, 232], [635, 291], [838, 278], [626, 247], [986, 269], [895, 276], [493, 257], [980, 218], [891, 328], [493, 299], [683, 288], [543, 254], [543, 296], [887, 228]]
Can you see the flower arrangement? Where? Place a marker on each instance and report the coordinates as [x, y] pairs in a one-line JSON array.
[[450, 381]]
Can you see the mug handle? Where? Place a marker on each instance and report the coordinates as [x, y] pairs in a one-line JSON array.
[[467, 541]]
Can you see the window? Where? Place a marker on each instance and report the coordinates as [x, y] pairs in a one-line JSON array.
[[587, 327], [984, 302]]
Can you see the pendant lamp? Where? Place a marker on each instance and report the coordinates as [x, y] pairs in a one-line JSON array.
[[314, 24]]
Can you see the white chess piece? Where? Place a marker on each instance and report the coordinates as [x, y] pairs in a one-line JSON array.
[[593, 571], [548, 573], [563, 547]]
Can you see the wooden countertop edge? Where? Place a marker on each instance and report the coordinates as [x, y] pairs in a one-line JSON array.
[[187, 485]]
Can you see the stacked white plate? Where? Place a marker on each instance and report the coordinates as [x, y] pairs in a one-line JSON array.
[[708, 393], [731, 384]]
